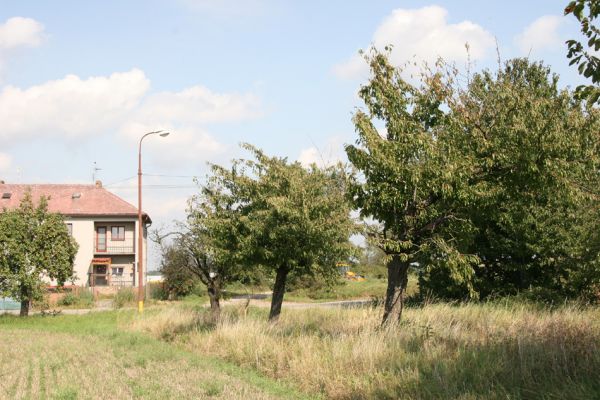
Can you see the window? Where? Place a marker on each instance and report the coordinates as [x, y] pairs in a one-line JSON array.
[[118, 271], [101, 239], [117, 233], [70, 229]]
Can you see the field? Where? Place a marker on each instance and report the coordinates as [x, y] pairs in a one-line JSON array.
[[440, 351], [93, 356]]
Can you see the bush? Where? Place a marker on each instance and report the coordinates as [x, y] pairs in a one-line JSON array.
[[157, 291], [123, 297], [86, 298], [82, 298], [68, 300]]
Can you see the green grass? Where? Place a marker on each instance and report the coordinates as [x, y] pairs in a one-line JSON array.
[[97, 356], [371, 288], [346, 290], [75, 300]]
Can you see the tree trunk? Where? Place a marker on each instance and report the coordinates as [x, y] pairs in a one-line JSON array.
[[25, 301], [394, 297], [25, 308], [214, 294], [278, 292]]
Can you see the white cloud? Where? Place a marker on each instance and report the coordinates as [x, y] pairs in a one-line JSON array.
[[71, 107], [185, 144], [20, 32], [330, 154], [186, 114], [198, 104], [541, 34], [5, 161], [76, 108], [423, 34]]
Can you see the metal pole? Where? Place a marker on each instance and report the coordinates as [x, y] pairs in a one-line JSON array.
[[141, 227], [140, 233]]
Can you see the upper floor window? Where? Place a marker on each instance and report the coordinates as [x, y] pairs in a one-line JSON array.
[[70, 229], [117, 233]]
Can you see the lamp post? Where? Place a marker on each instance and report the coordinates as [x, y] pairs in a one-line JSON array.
[[140, 226]]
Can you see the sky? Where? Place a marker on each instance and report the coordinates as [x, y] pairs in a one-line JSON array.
[[81, 82]]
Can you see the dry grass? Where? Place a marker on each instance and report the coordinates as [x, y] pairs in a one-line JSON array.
[[439, 351]]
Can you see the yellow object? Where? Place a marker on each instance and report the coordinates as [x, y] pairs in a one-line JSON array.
[[350, 273], [141, 306]]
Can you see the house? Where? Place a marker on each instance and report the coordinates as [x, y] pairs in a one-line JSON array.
[[103, 225]]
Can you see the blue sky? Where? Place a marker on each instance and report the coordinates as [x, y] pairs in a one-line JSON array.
[[80, 82]]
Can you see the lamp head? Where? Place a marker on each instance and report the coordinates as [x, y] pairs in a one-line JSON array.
[[164, 134]]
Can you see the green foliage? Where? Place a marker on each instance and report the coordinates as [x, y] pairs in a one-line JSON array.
[[292, 215], [123, 297], [179, 280], [157, 290], [207, 249], [68, 300], [80, 299], [295, 220], [412, 177], [488, 189], [584, 55], [34, 246], [535, 155]]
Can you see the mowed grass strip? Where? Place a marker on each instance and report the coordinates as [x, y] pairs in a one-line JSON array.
[[88, 357], [440, 351]]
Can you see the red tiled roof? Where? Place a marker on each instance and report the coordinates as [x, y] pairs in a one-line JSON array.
[[70, 200]]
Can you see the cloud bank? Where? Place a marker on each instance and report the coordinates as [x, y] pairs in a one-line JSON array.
[[542, 34], [73, 108], [422, 34]]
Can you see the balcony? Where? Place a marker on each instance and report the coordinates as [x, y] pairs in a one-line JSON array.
[[112, 248]]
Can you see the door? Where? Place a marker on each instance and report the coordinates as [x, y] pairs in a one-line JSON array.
[[101, 239], [100, 275]]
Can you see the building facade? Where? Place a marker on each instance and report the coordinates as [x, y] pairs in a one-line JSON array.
[[103, 225]]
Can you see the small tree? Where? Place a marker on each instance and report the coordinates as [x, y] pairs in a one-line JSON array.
[[34, 245], [179, 280], [413, 181], [296, 220], [208, 245]]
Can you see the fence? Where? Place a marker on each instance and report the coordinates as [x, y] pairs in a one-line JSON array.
[[6, 303]]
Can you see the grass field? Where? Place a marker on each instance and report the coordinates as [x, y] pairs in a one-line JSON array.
[[346, 290], [93, 356], [442, 351]]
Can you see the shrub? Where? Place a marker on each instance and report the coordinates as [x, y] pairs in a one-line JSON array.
[[82, 298], [68, 299], [157, 291], [123, 297]]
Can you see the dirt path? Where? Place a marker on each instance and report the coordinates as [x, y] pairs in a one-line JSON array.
[[262, 300], [256, 300]]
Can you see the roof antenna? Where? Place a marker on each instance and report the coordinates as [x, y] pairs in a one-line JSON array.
[[95, 169]]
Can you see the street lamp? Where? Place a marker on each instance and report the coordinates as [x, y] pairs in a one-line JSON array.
[[140, 226]]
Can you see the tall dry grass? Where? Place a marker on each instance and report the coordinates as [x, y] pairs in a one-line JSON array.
[[439, 351]]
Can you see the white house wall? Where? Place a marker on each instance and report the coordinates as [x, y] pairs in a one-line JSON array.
[[84, 233]]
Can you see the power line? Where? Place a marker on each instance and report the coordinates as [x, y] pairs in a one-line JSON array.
[[171, 176], [157, 187]]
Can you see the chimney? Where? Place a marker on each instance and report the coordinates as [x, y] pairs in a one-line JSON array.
[[99, 184]]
